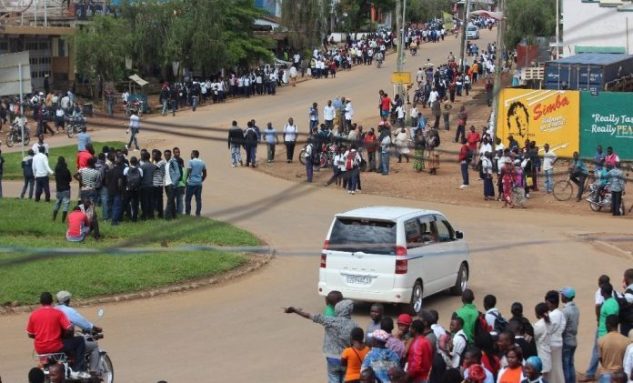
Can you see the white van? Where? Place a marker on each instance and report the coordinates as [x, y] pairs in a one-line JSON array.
[[472, 32], [393, 255]]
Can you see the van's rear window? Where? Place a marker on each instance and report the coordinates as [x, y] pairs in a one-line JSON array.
[[369, 236]]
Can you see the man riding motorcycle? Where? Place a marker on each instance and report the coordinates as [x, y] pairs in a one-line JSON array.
[[78, 320]]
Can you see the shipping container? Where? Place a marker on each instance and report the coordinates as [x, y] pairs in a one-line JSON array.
[[587, 71]]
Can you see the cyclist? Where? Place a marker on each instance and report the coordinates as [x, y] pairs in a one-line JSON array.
[[578, 174]]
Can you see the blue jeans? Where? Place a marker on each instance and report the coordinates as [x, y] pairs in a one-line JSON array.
[[105, 204], [384, 161], [569, 370], [63, 201], [309, 169], [29, 182], [193, 190], [164, 111], [605, 378], [352, 182], [595, 359], [335, 372], [117, 208], [236, 154], [464, 168], [549, 180], [194, 103], [180, 199]]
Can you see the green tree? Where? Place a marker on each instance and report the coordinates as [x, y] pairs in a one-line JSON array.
[[529, 19], [420, 11], [98, 53], [304, 20]]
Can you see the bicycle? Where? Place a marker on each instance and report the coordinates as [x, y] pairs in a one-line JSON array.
[[564, 189]]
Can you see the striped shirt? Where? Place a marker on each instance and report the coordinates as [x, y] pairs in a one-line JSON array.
[[159, 174], [90, 178]]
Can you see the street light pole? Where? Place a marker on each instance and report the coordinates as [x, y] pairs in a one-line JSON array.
[[462, 46], [558, 28], [498, 66]]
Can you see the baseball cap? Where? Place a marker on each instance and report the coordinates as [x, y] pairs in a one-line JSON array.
[[63, 296], [568, 292], [405, 319]]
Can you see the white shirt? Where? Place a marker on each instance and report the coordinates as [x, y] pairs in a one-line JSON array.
[[556, 327], [400, 111], [493, 313], [548, 161], [433, 96], [349, 111], [135, 122], [40, 166], [290, 133], [459, 344], [485, 148], [36, 147], [328, 113]]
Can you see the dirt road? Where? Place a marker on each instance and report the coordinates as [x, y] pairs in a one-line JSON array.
[[236, 332]]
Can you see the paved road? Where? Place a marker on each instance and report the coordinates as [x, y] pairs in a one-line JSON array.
[[236, 332]]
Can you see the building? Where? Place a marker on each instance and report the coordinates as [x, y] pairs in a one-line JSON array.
[[597, 26], [272, 7]]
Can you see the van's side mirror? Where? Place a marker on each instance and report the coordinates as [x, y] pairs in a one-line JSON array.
[[459, 234]]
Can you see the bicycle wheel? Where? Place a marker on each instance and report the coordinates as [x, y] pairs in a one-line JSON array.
[[563, 190], [70, 130], [302, 156], [595, 206], [10, 137]]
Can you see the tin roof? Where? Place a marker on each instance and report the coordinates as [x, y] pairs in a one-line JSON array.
[[594, 58]]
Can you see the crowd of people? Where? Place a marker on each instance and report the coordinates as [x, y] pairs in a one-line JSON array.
[[155, 184], [480, 346]]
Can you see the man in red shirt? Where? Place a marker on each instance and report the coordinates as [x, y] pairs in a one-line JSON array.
[[473, 139], [465, 156], [420, 355], [84, 155], [78, 225], [385, 106], [52, 332]]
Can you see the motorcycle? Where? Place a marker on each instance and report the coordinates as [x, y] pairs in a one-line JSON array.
[[14, 136], [74, 125], [104, 373], [600, 198], [379, 59], [418, 97]]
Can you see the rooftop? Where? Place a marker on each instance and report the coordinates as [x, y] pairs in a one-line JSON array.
[[594, 58], [390, 213]]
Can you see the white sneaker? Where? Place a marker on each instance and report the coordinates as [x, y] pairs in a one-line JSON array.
[[463, 186], [349, 192], [353, 192]]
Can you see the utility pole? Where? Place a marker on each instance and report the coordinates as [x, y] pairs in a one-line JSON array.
[[558, 29], [501, 26], [462, 46]]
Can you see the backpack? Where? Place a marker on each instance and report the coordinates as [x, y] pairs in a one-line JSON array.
[[500, 322], [481, 326], [133, 178], [626, 308], [350, 161]]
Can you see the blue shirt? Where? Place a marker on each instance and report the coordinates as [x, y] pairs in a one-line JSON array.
[[381, 360], [421, 122], [270, 135], [83, 139], [196, 166], [75, 318]]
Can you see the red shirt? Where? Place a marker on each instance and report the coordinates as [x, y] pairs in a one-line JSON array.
[[385, 104], [82, 159], [463, 153], [420, 359], [76, 219], [473, 138], [370, 143], [47, 325]]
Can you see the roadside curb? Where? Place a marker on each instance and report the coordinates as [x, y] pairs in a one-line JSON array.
[[612, 249], [254, 263]]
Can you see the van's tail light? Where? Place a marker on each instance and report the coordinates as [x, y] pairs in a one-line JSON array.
[[326, 244], [401, 250], [323, 261], [402, 265]]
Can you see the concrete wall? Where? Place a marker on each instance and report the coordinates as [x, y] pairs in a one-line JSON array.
[[592, 24]]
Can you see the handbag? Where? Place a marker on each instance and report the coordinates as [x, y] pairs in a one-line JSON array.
[[529, 181]]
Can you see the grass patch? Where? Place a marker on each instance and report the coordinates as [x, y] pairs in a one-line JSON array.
[[101, 269], [13, 161]]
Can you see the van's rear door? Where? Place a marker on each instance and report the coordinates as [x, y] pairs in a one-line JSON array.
[[361, 254]]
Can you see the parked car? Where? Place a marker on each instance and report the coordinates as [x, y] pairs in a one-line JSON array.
[[393, 255], [472, 32]]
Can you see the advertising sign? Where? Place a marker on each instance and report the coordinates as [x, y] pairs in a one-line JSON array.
[[544, 116], [12, 82], [606, 119]]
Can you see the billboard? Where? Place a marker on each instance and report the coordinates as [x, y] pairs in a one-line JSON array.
[[10, 74], [544, 116], [606, 119]]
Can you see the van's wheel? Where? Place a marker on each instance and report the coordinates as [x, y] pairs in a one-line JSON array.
[[462, 280], [416, 298]]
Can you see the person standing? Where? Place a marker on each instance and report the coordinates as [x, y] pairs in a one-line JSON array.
[[62, 183], [27, 172], [308, 159], [115, 183], [542, 338], [385, 148], [133, 129], [90, 179], [589, 375], [83, 139], [555, 329], [486, 169], [447, 105], [158, 182], [462, 119], [290, 139], [616, 186], [349, 114], [337, 337], [271, 139], [250, 143], [196, 174], [41, 171], [469, 314], [133, 181], [1, 171], [146, 194], [370, 143], [464, 158], [182, 182], [353, 356], [420, 354], [549, 159], [328, 115], [612, 347], [313, 114], [172, 175], [572, 317], [236, 140]]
